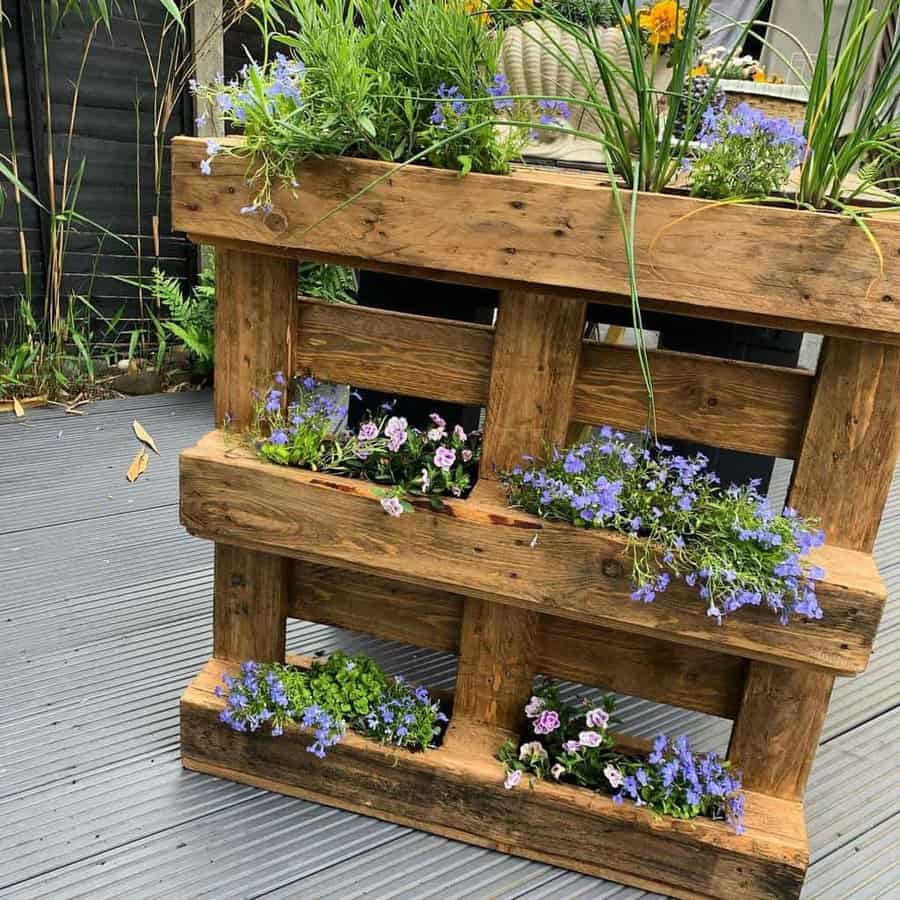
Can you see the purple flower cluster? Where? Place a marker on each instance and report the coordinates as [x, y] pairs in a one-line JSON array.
[[499, 89], [395, 720], [728, 545], [327, 730], [697, 785], [253, 689], [743, 153], [451, 102], [553, 110]]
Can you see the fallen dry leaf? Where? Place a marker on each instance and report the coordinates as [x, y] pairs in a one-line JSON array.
[[138, 466], [143, 436], [18, 408]]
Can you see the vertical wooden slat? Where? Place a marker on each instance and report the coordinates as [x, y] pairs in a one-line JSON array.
[[842, 476], [255, 304], [535, 360]]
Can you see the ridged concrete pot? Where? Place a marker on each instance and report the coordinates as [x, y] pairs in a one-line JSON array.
[[530, 58]]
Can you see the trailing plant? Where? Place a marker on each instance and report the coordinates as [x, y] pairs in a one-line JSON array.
[[727, 543], [744, 154], [300, 425], [328, 698], [572, 743]]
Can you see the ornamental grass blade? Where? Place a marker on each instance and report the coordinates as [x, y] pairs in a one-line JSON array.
[[18, 409], [138, 466], [143, 436]]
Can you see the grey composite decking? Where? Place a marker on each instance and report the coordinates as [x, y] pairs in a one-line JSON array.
[[105, 614]]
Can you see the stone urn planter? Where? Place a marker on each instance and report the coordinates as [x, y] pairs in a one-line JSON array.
[[537, 59]]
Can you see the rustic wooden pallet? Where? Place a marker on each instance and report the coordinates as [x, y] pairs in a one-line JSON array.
[[459, 794], [511, 595]]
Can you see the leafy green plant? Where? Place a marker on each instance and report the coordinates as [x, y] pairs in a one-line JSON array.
[[330, 697], [571, 742], [335, 284], [838, 82], [307, 428], [192, 315]]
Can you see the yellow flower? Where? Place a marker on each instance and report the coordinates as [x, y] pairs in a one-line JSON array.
[[664, 21], [698, 71], [477, 7], [760, 75], [523, 4]]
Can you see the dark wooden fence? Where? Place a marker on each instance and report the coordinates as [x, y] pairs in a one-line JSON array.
[[113, 136]]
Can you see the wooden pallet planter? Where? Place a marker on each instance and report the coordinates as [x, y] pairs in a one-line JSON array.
[[513, 595]]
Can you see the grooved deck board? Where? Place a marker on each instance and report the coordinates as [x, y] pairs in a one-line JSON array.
[[165, 832]]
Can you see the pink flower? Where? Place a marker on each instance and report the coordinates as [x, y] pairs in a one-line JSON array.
[[444, 457], [613, 775], [597, 718], [368, 431], [512, 779], [396, 432], [571, 746], [438, 420], [546, 722], [589, 739], [459, 434], [392, 506], [533, 707]]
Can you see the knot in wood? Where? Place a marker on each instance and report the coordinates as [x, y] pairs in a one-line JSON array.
[[612, 568], [275, 222]]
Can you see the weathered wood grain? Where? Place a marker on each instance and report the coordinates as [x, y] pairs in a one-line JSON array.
[[738, 405], [844, 471], [742, 406], [255, 298], [482, 548], [537, 346], [842, 475], [390, 351], [544, 231], [777, 730], [460, 795], [631, 664], [254, 313]]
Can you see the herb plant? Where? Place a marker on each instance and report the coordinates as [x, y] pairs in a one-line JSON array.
[[744, 154], [328, 698], [572, 743], [310, 432], [728, 544]]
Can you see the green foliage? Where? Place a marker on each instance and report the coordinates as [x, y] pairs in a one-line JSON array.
[[838, 83], [362, 80], [307, 428], [330, 697], [335, 284], [192, 315], [597, 13]]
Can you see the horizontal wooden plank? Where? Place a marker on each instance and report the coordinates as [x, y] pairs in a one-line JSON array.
[[389, 351], [576, 651], [723, 403], [483, 549], [559, 233], [738, 405], [460, 795]]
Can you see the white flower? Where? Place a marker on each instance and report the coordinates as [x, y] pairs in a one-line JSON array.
[[532, 752], [589, 739], [557, 771], [512, 779], [436, 434], [597, 718], [613, 775], [426, 481], [392, 506], [459, 434], [534, 707]]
